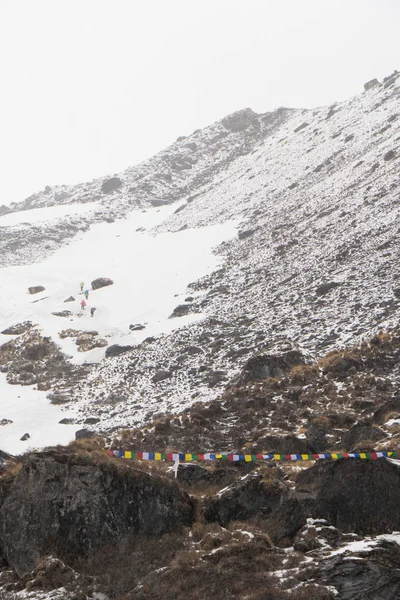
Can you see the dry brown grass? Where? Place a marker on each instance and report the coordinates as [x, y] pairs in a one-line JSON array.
[[11, 469]]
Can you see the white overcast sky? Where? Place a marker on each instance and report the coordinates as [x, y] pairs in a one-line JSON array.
[[90, 87]]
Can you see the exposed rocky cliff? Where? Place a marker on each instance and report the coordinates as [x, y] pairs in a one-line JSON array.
[[66, 505]]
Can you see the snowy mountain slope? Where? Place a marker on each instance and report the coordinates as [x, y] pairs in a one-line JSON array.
[[316, 261], [176, 173], [316, 258], [148, 271]]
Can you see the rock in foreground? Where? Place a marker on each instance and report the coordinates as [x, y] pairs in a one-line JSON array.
[[67, 504]]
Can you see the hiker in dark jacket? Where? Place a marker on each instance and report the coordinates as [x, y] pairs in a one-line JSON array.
[[92, 311]]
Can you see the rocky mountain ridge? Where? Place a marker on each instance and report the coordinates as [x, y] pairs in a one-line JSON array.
[[315, 261], [297, 351], [179, 172]]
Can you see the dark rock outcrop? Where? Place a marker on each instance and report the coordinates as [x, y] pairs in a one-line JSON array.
[[18, 329], [116, 350], [85, 434], [181, 310], [389, 155], [69, 299], [263, 366], [383, 412], [250, 496], [371, 84], [241, 120], [62, 313], [35, 289], [369, 573], [137, 327], [360, 496], [110, 185], [101, 282], [362, 432], [324, 288], [255, 497], [161, 375], [194, 475], [61, 504]]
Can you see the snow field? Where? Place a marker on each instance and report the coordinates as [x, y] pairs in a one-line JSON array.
[[150, 274]]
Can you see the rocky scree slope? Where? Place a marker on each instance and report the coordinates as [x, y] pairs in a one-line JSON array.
[[348, 401], [178, 172], [316, 260]]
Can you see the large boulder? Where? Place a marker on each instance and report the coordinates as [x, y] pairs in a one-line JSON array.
[[264, 366], [360, 496], [35, 289], [18, 328], [101, 282], [181, 310], [359, 434], [363, 571], [63, 504], [250, 496], [371, 84], [257, 497], [111, 185], [241, 120], [116, 350]]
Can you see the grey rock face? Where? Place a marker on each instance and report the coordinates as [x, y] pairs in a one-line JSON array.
[[101, 282], [349, 495], [64, 504], [181, 310], [370, 84], [241, 120], [362, 432], [161, 375], [254, 496], [116, 350], [243, 499], [110, 185], [324, 288], [35, 289], [389, 155], [369, 574], [18, 329], [264, 366]]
